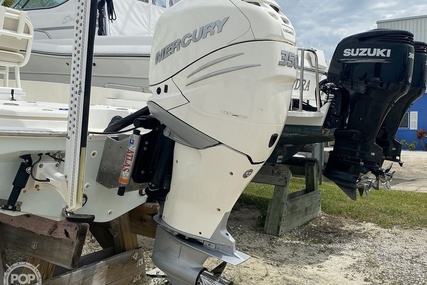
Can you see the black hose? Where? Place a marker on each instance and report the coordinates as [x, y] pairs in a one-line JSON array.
[[101, 16], [126, 121]]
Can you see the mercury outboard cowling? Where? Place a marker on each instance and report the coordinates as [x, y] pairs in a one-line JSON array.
[[221, 74], [386, 136], [372, 70]]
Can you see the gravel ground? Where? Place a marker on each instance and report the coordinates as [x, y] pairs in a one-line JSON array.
[[328, 250], [332, 250]]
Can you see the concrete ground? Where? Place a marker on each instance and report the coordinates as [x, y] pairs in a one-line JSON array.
[[412, 176]]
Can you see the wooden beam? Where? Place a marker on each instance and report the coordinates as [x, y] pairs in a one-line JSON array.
[[287, 211], [274, 174], [88, 259], [300, 210], [124, 238], [45, 268], [297, 164], [102, 234], [50, 243], [278, 175], [70, 245], [121, 269], [42, 226], [141, 219], [311, 176]]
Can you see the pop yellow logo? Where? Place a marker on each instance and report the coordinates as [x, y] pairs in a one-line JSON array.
[[14, 275]]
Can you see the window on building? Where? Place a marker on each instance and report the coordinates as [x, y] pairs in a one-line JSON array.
[[405, 121], [410, 121], [413, 120]]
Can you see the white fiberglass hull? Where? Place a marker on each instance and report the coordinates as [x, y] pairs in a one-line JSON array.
[[120, 62], [38, 130]]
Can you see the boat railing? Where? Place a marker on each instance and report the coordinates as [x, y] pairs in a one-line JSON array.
[[302, 68]]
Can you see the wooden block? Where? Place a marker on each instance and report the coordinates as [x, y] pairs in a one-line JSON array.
[[276, 205], [300, 210], [275, 212], [311, 176], [42, 226], [289, 210], [297, 165], [102, 234], [141, 219], [96, 256], [45, 268], [88, 259], [274, 174], [121, 269], [124, 238], [302, 202], [42, 246]]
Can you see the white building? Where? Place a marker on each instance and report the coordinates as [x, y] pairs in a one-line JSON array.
[[416, 25]]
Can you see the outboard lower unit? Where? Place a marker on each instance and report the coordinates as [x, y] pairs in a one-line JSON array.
[[222, 74], [371, 70], [386, 136]]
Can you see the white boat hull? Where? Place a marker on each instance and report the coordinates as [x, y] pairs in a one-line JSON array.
[[120, 62], [39, 129]]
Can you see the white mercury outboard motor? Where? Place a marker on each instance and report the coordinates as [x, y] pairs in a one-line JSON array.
[[222, 74]]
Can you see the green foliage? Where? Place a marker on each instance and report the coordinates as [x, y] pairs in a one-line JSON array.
[[258, 195], [410, 146], [385, 208], [7, 3]]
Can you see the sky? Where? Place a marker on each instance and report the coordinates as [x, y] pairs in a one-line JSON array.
[[322, 24]]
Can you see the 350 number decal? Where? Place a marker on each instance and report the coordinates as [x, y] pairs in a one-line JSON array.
[[289, 59]]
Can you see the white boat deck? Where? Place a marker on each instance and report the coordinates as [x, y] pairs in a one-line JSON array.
[[47, 116], [44, 118]]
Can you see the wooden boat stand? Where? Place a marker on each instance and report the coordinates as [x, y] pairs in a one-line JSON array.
[[288, 210], [56, 247]]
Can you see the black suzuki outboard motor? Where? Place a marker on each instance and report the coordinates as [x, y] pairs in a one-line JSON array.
[[386, 136], [372, 70]]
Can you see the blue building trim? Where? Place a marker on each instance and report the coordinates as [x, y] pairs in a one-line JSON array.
[[410, 135]]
